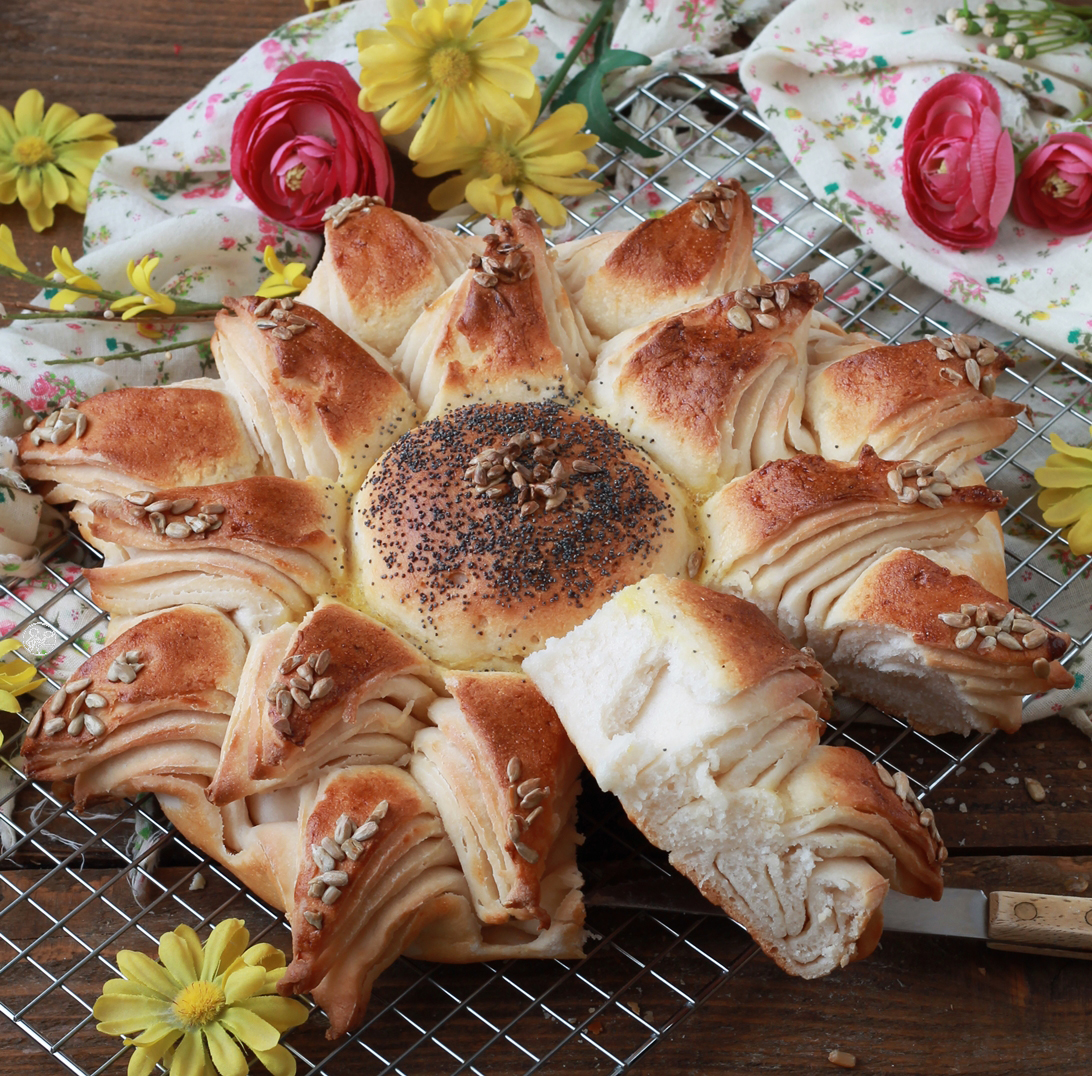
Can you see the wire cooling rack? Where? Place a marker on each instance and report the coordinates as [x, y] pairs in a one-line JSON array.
[[74, 890]]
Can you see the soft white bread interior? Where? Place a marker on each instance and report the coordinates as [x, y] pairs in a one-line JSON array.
[[692, 709]]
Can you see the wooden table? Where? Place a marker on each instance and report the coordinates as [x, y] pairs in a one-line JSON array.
[[918, 1005]]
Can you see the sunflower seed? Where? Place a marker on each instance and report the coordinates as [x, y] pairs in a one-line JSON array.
[[281, 333], [930, 499], [884, 774], [315, 888], [367, 831], [54, 725], [908, 495], [379, 811], [331, 895], [767, 321], [965, 639], [290, 664], [1041, 668], [739, 319], [177, 530], [988, 630], [894, 480], [321, 858], [93, 725], [745, 299], [530, 819], [515, 829], [513, 771], [987, 644], [694, 562], [973, 372], [77, 702], [321, 688], [582, 466], [943, 355], [528, 786], [1005, 623], [526, 852], [950, 375], [955, 620], [35, 723], [182, 505], [320, 663], [986, 356], [334, 877], [529, 508], [214, 509], [557, 500], [332, 849], [314, 919], [75, 726], [1009, 642], [941, 489], [1023, 624], [196, 524], [280, 724], [157, 521], [1035, 638], [284, 701], [263, 308], [533, 799], [300, 698], [56, 703], [781, 296], [299, 683], [343, 830], [141, 498], [159, 506], [352, 848]]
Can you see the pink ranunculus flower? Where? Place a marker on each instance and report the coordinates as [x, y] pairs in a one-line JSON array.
[[1054, 189], [957, 166], [304, 143]]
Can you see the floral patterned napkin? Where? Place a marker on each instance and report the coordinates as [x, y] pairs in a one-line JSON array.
[[836, 82]]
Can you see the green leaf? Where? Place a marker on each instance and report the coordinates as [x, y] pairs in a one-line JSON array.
[[586, 89]]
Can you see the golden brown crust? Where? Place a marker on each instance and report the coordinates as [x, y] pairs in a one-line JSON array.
[[472, 580], [747, 644], [691, 369], [888, 387], [379, 257], [330, 386], [151, 437], [909, 591], [768, 501], [674, 253], [363, 654], [186, 659], [264, 511], [517, 736]]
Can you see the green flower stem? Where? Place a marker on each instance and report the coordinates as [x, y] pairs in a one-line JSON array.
[[127, 354], [601, 13], [182, 306]]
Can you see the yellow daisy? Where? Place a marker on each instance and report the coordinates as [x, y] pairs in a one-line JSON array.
[[146, 297], [47, 159], [194, 1009], [1066, 500], [539, 162], [437, 51], [285, 279]]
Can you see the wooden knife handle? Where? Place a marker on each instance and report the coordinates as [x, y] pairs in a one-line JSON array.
[[1040, 922]]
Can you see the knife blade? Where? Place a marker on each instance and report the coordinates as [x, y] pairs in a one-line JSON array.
[[1039, 923]]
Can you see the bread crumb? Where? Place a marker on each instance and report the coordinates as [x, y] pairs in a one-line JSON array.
[[842, 1058], [197, 882], [987, 767], [1035, 790], [1012, 780], [1039, 746], [962, 808], [1082, 765], [950, 801], [960, 770]]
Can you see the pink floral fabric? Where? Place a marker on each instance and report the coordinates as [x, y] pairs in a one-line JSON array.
[[836, 84]]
